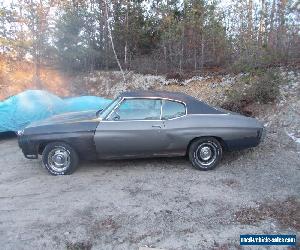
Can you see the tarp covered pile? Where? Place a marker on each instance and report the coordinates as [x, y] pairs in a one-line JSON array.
[[18, 111]]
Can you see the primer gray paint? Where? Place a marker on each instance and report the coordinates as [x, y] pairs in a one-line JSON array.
[[122, 139], [94, 138]]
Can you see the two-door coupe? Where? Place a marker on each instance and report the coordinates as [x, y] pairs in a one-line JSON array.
[[140, 124]]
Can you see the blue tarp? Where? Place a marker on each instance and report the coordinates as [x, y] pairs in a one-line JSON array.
[[18, 111]]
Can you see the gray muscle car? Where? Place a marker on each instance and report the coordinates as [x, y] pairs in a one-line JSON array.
[[140, 124]]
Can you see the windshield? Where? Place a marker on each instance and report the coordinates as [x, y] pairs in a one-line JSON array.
[[108, 108]]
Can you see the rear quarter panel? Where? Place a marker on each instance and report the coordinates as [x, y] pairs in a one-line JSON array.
[[236, 131]]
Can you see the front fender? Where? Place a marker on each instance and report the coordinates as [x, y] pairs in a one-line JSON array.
[[82, 142]]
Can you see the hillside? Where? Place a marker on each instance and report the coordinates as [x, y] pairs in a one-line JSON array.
[[213, 88]]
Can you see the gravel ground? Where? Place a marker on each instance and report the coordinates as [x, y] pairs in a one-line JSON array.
[[162, 203]]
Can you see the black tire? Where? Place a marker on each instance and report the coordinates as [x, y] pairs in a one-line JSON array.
[[205, 153], [57, 153]]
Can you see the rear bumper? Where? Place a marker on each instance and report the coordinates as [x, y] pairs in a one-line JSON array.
[[29, 149]]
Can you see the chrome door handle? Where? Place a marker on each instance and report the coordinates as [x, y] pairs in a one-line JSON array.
[[156, 126]]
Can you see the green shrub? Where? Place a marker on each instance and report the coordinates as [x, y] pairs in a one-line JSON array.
[[264, 87], [260, 86]]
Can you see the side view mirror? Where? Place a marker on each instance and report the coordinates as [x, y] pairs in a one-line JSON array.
[[116, 117], [98, 112]]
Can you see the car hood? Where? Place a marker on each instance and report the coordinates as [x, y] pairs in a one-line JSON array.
[[72, 117]]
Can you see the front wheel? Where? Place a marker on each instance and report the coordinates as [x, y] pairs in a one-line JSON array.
[[60, 158], [205, 153]]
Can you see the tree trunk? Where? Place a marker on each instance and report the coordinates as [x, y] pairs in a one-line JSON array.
[[182, 49], [112, 41], [37, 44], [250, 19], [261, 31], [37, 71], [202, 52], [21, 51], [271, 32], [165, 53], [195, 58], [281, 34], [126, 39], [181, 54]]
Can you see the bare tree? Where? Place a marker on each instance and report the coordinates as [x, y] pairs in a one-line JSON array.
[[261, 31], [126, 38], [112, 41], [281, 34], [271, 31], [250, 19]]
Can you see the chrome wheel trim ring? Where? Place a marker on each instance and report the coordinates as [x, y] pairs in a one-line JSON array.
[[59, 159], [206, 153]]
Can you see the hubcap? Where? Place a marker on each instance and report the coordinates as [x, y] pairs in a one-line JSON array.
[[206, 153], [59, 159]]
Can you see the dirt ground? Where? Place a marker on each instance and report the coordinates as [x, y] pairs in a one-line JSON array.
[[162, 203]]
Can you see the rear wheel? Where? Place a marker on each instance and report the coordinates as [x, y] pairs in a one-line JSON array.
[[60, 158], [205, 153]]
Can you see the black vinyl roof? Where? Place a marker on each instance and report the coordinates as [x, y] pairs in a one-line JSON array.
[[193, 105]]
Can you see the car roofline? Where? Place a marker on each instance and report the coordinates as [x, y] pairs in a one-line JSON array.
[[193, 105], [152, 98]]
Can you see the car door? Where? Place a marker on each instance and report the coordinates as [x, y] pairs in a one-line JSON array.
[[133, 129]]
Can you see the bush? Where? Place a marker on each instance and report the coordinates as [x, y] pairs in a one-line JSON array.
[[258, 86], [265, 86]]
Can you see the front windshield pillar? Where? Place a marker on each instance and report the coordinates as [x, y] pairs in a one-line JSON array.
[[106, 111]]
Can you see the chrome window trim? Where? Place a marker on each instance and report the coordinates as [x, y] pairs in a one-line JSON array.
[[173, 100], [131, 121], [209, 114], [151, 98], [113, 110]]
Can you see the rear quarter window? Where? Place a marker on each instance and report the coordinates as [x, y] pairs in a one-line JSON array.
[[172, 109]]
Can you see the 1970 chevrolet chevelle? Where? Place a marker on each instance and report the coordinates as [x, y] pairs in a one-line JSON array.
[[140, 124]]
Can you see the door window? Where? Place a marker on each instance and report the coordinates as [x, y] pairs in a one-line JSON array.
[[172, 109], [137, 109]]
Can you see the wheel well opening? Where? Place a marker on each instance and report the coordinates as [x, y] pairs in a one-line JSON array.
[[44, 144], [42, 147], [222, 142]]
